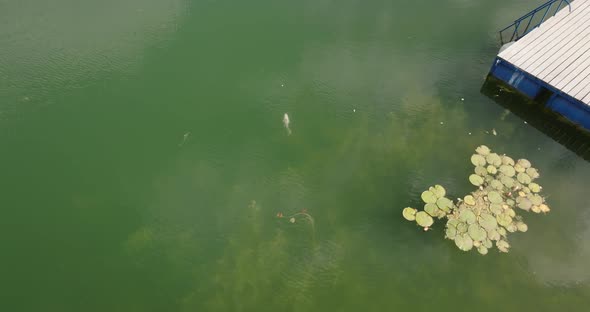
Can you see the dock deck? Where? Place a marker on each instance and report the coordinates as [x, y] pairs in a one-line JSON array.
[[553, 59]]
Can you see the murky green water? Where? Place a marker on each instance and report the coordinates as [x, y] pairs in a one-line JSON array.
[[105, 206]]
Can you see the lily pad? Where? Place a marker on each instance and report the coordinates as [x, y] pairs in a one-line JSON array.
[[502, 245], [507, 170], [481, 171], [511, 212], [495, 197], [483, 150], [536, 209], [451, 232], [522, 227], [409, 213], [496, 184], [507, 160], [494, 159], [475, 180], [544, 208], [524, 163], [511, 227], [488, 222], [439, 191], [532, 172], [462, 227], [536, 199], [503, 219], [496, 209], [535, 188], [476, 232], [519, 168], [453, 222], [429, 197], [523, 178], [478, 160], [482, 250], [507, 181], [469, 200], [501, 231], [524, 203], [444, 204], [464, 242], [423, 219], [493, 235], [491, 169], [467, 216], [431, 209], [488, 243]]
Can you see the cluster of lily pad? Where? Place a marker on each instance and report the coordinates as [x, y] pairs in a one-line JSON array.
[[484, 218]]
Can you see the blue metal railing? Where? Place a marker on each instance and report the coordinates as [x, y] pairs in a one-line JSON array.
[[530, 21]]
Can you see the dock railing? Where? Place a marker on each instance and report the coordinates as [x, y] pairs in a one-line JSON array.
[[531, 20]]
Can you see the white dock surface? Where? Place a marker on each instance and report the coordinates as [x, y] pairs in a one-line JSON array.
[[558, 51]]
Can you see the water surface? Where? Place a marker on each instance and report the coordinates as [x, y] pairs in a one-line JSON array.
[[106, 208]]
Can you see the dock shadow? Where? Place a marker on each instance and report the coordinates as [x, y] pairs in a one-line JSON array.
[[573, 137]]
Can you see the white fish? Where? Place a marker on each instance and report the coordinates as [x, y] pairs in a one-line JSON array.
[[286, 122], [184, 139], [494, 132]]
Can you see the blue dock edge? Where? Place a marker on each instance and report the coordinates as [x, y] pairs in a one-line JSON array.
[[561, 103]]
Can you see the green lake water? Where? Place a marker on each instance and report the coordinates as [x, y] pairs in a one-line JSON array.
[[108, 206]]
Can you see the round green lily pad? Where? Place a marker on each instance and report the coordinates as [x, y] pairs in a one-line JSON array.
[[439, 191], [469, 200], [522, 227], [502, 245], [535, 199], [488, 243], [423, 219], [451, 232], [497, 185], [506, 160], [501, 231], [491, 169], [431, 209], [507, 181], [409, 213], [481, 171], [478, 160], [482, 250], [464, 242], [519, 168], [523, 178], [496, 209], [535, 188], [494, 159], [444, 204], [507, 170], [503, 219], [482, 150], [488, 222], [511, 212], [495, 197], [453, 222], [511, 227], [493, 235], [524, 163], [523, 203], [462, 227], [428, 197], [475, 180], [476, 232], [467, 216], [532, 172]]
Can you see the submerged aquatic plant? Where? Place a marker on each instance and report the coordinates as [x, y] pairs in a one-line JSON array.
[[486, 216]]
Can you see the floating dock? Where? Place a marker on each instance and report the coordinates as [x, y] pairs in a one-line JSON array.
[[546, 57]]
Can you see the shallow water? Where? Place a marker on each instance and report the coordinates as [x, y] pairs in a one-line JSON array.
[[107, 207]]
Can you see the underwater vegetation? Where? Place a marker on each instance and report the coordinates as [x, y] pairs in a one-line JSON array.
[[485, 217]]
